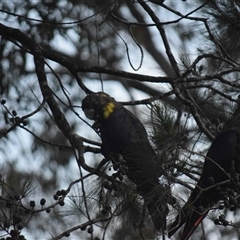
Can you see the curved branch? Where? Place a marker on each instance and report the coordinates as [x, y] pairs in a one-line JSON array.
[[59, 117], [161, 30]]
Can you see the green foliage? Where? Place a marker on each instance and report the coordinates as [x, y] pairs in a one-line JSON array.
[[163, 123], [168, 135]]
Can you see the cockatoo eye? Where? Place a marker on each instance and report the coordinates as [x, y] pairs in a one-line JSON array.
[[90, 113]]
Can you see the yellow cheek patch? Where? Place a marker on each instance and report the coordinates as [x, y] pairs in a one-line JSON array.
[[108, 110]]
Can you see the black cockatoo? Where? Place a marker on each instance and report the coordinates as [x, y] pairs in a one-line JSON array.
[[122, 133], [221, 164]]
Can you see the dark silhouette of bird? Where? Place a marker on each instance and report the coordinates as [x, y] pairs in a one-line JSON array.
[[122, 133], [220, 167]]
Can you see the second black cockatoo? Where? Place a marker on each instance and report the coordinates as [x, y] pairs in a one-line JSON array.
[[122, 133], [219, 169]]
